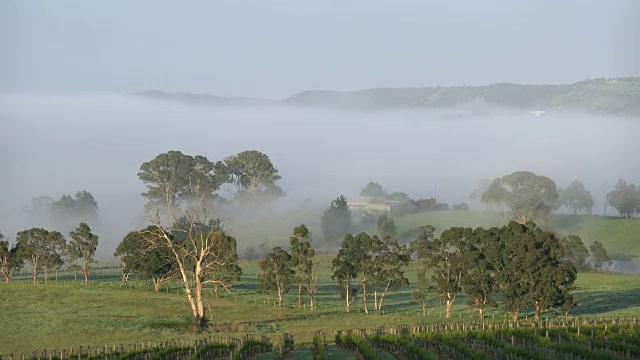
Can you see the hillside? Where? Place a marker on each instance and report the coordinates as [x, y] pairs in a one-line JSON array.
[[600, 96]]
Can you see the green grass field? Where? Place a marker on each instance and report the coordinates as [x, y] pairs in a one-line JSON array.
[[64, 315]]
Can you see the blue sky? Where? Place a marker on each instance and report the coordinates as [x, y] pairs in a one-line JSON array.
[[275, 48]]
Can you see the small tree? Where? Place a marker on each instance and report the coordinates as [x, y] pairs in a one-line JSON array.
[[301, 258], [386, 271], [576, 198], [575, 251], [480, 254], [419, 248], [345, 269], [277, 273], [599, 256], [445, 258], [83, 246], [155, 263], [34, 248], [625, 198], [336, 220], [386, 227], [54, 259], [10, 259]]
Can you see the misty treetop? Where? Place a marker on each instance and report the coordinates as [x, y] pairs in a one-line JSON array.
[[625, 198], [576, 198], [528, 196], [174, 179], [336, 219], [66, 211]]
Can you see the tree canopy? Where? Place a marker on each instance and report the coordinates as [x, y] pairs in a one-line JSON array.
[[174, 177], [625, 198], [253, 175], [576, 198], [373, 189], [10, 259], [83, 246], [529, 196], [336, 220]]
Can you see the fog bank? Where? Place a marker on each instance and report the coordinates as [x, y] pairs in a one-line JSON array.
[[59, 144]]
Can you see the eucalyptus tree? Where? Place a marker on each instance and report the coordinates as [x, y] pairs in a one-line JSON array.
[[529, 196], [277, 273], [625, 198], [386, 268], [83, 247], [531, 272], [39, 247], [253, 175], [173, 178], [576, 198], [599, 256], [345, 267], [10, 259], [575, 251], [155, 263], [302, 259], [419, 249], [480, 253], [386, 226], [444, 257], [182, 187]]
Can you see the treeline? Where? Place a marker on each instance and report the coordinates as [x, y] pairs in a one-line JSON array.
[[48, 251]]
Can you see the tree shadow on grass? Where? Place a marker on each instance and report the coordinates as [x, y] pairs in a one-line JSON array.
[[598, 302]]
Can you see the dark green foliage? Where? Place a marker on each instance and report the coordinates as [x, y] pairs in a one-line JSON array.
[[277, 273], [357, 343], [253, 175], [599, 257], [83, 247], [576, 198], [41, 248], [480, 253], [444, 257], [385, 268], [398, 196], [10, 259], [301, 258], [419, 248], [575, 251], [347, 265], [336, 220], [625, 198], [529, 196], [156, 263], [386, 227], [173, 177], [83, 206], [531, 271]]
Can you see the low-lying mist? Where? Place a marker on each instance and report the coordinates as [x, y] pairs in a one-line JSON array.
[[53, 145]]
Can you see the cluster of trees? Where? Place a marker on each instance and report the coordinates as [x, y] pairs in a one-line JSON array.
[[176, 180], [185, 241], [48, 251], [534, 197], [281, 269], [82, 206]]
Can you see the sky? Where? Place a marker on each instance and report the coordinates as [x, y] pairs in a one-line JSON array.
[[276, 48]]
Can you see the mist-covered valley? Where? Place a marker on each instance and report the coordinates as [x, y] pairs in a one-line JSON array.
[[53, 145]]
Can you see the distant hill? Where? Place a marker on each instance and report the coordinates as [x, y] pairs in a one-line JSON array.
[[605, 96]]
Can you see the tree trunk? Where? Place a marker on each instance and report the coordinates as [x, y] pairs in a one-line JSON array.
[[536, 316], [280, 294], [46, 275], [514, 315], [375, 302], [6, 278], [215, 290], [86, 277], [201, 320], [300, 296], [448, 308], [364, 295], [481, 310], [311, 302], [347, 296], [156, 285], [424, 308]]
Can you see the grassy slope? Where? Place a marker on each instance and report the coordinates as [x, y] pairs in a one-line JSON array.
[[59, 316]]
